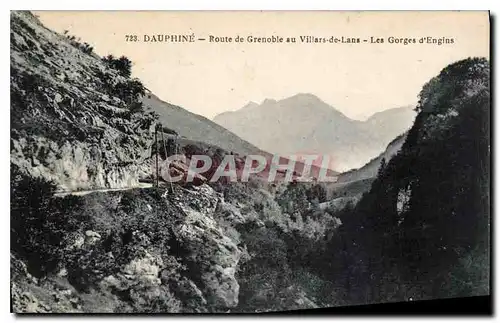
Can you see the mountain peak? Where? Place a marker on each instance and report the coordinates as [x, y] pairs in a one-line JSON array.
[[305, 99], [304, 121], [250, 105], [268, 101], [299, 98], [304, 95]]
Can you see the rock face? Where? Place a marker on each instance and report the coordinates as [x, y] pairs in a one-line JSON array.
[[215, 254], [70, 126], [139, 250], [403, 201], [194, 271], [66, 126]]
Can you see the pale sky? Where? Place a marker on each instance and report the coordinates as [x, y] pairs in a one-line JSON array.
[[210, 78]]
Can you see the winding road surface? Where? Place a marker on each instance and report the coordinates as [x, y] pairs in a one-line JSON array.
[[84, 192]]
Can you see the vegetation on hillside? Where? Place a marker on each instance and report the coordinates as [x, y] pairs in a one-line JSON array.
[[46, 231], [122, 64], [130, 90], [422, 231], [76, 42]]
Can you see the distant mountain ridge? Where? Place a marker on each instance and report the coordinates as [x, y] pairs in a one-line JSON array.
[[198, 128], [200, 131], [304, 122], [369, 171]]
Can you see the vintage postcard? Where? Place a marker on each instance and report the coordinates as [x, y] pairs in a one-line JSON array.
[[249, 161]]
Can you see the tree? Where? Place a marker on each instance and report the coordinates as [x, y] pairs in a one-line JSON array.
[[382, 167], [33, 234]]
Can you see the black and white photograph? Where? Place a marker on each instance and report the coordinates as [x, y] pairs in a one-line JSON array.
[[244, 162]]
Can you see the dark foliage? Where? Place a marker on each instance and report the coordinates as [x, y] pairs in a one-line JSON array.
[[38, 222], [130, 91], [122, 64], [426, 216]]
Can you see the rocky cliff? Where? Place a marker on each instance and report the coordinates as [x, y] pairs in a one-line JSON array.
[[79, 124], [135, 252], [71, 121], [150, 251]]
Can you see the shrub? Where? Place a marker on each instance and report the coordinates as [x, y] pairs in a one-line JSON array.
[[75, 42], [86, 48], [136, 107], [38, 222], [123, 65], [130, 90], [267, 272]]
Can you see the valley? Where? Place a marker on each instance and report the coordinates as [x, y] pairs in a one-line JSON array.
[[94, 230]]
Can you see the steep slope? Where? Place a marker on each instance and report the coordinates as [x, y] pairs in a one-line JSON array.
[[390, 123], [351, 185], [304, 123], [370, 170], [78, 123], [135, 253], [424, 225], [69, 123], [197, 128], [73, 123]]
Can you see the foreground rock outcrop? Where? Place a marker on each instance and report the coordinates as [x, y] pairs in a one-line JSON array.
[[148, 250], [187, 263]]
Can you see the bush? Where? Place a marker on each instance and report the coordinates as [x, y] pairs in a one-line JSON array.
[[267, 272], [38, 222], [75, 42], [136, 107], [129, 91], [123, 65]]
